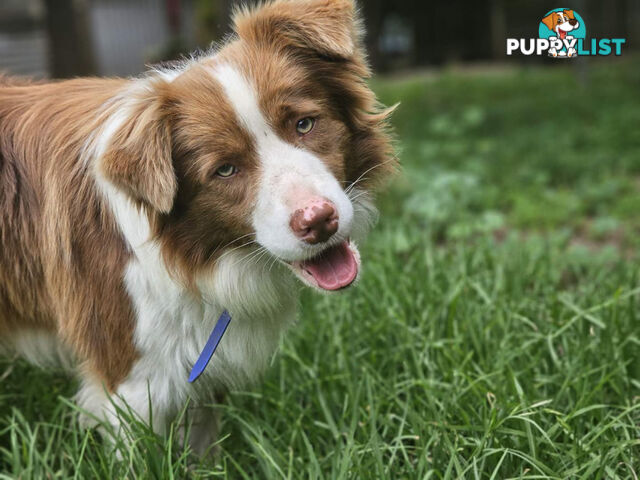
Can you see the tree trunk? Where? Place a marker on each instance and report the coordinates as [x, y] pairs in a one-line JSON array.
[[70, 50], [498, 29], [373, 17]]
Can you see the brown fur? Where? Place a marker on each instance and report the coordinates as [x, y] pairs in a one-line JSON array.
[[144, 145], [62, 257], [209, 212], [325, 27], [330, 69], [294, 80]]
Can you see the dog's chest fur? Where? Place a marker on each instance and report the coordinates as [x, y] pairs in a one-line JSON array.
[[173, 325]]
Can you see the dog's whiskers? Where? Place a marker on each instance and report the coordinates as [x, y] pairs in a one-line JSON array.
[[257, 260], [234, 248], [234, 241], [250, 256], [362, 177], [355, 197], [273, 264]]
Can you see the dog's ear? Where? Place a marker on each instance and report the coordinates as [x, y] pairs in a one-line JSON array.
[[551, 20], [328, 27], [138, 157], [570, 14]]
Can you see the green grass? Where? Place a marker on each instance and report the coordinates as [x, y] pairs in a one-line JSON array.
[[495, 333]]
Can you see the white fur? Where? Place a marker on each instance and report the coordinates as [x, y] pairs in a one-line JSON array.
[[285, 171], [173, 324], [39, 347]]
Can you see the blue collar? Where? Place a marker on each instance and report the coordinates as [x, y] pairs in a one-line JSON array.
[[210, 348]]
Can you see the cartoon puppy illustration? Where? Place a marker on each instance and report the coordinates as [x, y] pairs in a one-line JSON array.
[[561, 23]]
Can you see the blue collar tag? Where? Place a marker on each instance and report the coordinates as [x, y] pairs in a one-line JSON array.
[[210, 347]]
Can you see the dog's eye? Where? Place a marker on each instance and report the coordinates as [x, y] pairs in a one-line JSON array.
[[305, 125], [226, 171]]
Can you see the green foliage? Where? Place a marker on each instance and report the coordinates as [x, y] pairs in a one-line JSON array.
[[495, 331]]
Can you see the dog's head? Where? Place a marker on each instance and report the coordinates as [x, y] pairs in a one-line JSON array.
[[561, 22], [274, 143]]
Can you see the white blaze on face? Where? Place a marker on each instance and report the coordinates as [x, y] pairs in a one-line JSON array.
[[289, 176]]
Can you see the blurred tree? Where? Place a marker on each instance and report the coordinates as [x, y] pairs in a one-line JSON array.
[[498, 28], [71, 52], [374, 14]]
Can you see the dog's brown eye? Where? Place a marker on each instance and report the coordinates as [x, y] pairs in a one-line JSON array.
[[226, 171], [305, 125]]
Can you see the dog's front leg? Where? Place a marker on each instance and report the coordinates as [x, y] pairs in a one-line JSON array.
[[200, 428], [113, 411]]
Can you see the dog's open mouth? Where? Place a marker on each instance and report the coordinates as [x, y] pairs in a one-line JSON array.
[[334, 269]]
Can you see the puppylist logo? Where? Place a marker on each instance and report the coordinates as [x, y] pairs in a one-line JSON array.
[[562, 34]]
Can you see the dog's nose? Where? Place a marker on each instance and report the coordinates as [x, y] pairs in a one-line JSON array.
[[573, 22], [315, 223]]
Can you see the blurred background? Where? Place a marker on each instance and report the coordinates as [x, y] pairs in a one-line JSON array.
[[64, 38], [496, 328]]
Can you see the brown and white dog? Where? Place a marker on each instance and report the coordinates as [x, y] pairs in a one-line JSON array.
[[134, 211]]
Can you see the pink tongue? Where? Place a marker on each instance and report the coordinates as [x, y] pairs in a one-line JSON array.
[[334, 269]]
